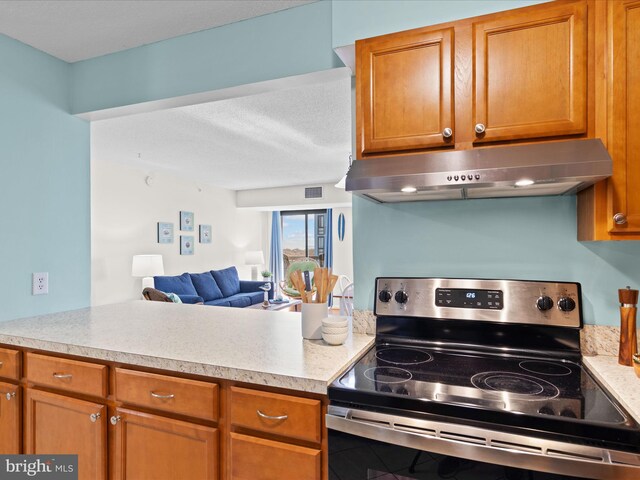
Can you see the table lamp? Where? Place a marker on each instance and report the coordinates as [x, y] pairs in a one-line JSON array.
[[254, 258], [147, 266]]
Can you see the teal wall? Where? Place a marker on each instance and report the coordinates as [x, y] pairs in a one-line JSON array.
[[527, 238], [290, 42], [355, 19], [44, 185]]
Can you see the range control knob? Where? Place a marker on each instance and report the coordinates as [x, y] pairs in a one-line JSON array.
[[544, 303], [566, 304], [401, 296], [384, 296], [546, 410]]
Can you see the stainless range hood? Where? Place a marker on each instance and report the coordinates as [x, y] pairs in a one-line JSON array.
[[550, 168]]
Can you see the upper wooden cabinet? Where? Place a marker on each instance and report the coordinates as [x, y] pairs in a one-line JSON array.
[[404, 91], [624, 141], [530, 73], [511, 76], [611, 209]]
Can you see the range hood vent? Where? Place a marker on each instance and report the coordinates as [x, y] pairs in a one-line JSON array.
[[550, 168]]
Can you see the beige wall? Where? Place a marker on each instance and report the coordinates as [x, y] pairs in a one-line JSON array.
[[124, 214]]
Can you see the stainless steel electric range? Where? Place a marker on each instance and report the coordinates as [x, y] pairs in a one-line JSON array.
[[477, 379]]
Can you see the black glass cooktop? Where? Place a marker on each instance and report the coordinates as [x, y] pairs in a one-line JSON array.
[[421, 378]]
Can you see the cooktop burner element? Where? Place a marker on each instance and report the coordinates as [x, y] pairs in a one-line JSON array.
[[404, 356], [514, 383], [388, 374], [542, 367]]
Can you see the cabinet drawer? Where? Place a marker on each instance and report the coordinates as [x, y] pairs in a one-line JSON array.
[[9, 364], [274, 413], [65, 374], [170, 394], [259, 459]]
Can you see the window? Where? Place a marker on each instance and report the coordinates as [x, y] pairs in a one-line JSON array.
[[303, 235]]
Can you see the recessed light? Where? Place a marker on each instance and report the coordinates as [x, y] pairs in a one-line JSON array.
[[409, 189], [525, 182]]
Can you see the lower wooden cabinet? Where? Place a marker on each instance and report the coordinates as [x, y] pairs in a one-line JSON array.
[[10, 418], [158, 448], [255, 458], [64, 425]]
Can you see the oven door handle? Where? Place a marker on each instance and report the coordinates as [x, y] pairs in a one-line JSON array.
[[484, 445]]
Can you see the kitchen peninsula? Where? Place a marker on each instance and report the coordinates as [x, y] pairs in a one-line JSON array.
[[186, 391]]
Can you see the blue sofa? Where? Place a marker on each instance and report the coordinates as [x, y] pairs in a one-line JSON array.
[[221, 288]]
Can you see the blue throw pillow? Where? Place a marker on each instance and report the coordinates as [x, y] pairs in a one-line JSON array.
[[206, 286], [227, 280], [180, 285]]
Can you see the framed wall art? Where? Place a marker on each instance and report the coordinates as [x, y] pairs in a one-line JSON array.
[[205, 233], [186, 221], [165, 232], [186, 244]]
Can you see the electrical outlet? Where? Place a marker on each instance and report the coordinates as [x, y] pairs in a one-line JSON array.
[[40, 285]]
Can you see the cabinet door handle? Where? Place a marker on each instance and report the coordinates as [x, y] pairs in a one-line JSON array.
[[10, 395], [447, 133], [62, 375], [620, 219], [271, 417], [163, 397], [115, 419], [1, 363], [479, 128], [94, 417]]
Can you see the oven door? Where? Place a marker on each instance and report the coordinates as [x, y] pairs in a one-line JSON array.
[[366, 445]]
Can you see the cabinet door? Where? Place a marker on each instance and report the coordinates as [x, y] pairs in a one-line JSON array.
[[56, 424], [157, 448], [624, 140], [10, 409], [255, 458], [530, 73], [404, 91]]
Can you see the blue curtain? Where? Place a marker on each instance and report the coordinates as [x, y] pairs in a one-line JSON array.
[[328, 244], [275, 259], [328, 239]]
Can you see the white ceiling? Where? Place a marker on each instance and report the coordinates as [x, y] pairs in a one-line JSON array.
[[296, 136], [74, 30]]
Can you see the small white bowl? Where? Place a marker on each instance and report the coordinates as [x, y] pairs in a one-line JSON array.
[[337, 339], [335, 322], [335, 330]]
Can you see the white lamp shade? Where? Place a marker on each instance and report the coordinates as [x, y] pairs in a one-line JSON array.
[[147, 266], [253, 258]]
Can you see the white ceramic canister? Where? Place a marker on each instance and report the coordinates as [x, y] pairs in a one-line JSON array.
[[312, 315]]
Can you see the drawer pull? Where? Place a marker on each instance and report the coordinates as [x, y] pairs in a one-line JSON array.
[[10, 395], [1, 363], [94, 417], [62, 376], [271, 417], [163, 397]]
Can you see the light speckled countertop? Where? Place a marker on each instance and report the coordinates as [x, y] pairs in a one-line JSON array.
[[620, 381], [247, 345]]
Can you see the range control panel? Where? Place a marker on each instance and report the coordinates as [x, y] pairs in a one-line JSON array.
[[505, 301], [469, 298]]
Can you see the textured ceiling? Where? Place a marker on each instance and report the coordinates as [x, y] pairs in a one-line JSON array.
[[81, 29], [298, 136]]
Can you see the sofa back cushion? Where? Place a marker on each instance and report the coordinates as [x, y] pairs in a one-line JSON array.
[[206, 286], [180, 285], [227, 280]]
